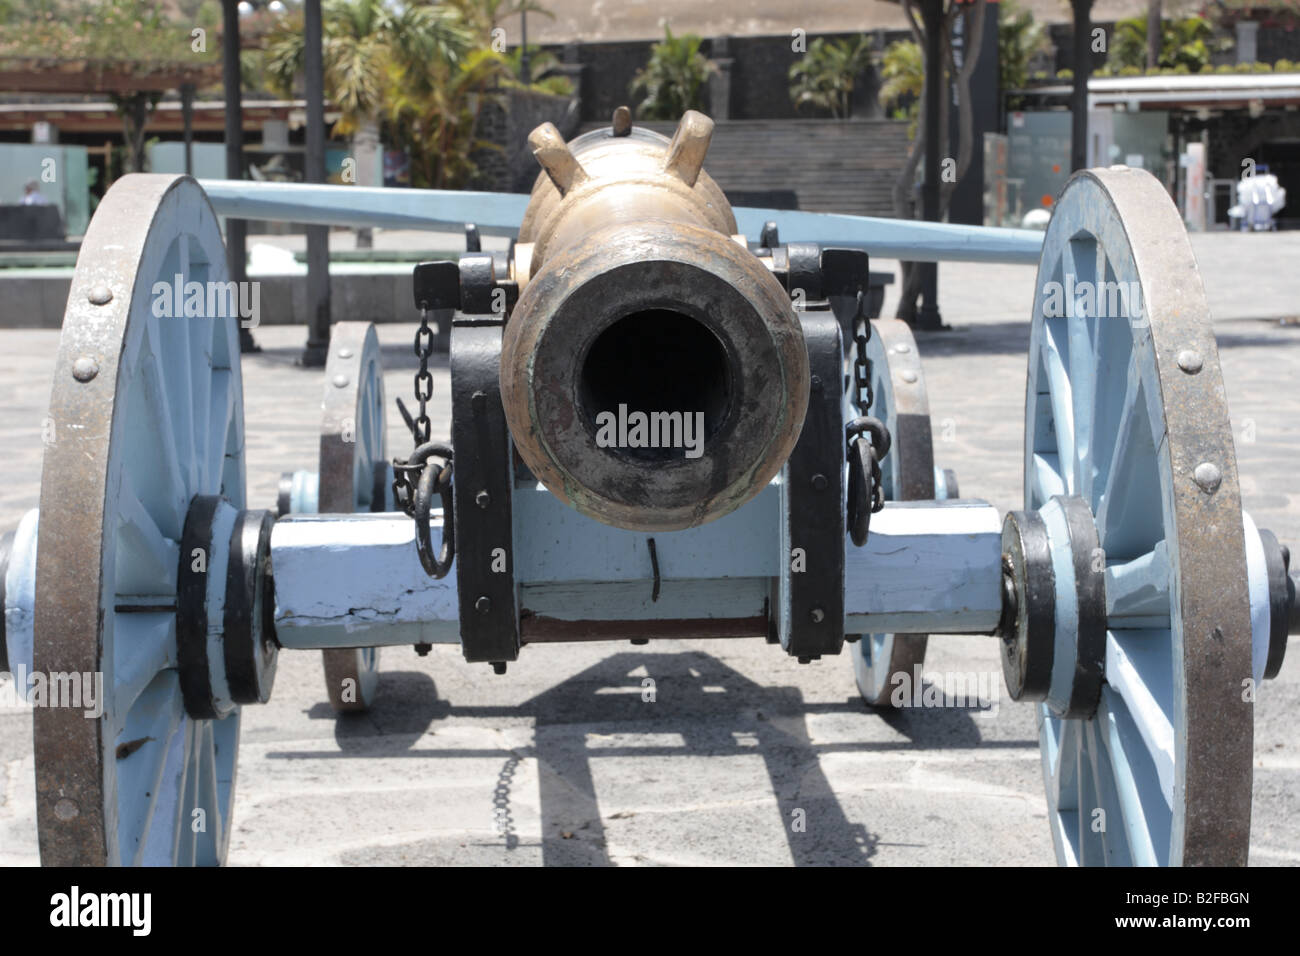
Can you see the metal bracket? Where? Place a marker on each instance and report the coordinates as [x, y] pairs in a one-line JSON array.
[[485, 567], [808, 609]]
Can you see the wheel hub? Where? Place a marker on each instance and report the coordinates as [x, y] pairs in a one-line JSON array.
[[1054, 607]]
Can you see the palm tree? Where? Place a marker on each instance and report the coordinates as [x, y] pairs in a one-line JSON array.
[[825, 76], [671, 83], [1020, 39], [367, 46], [902, 68]]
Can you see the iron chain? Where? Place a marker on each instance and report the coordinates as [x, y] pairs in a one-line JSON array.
[[867, 492], [414, 480]]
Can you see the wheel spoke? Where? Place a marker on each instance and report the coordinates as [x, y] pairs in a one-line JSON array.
[[143, 646], [1145, 815], [1056, 355], [1137, 591], [1130, 518], [142, 751], [1080, 324], [1139, 670], [150, 458], [220, 408], [146, 558], [1109, 839]]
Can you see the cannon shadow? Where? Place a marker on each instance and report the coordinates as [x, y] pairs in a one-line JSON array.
[[704, 706]]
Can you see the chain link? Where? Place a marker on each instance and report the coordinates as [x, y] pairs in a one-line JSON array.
[[423, 378], [414, 481], [880, 439]]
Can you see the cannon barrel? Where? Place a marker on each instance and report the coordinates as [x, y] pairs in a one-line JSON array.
[[653, 371]]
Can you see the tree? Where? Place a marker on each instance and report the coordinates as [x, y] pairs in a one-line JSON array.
[[902, 70], [672, 81], [1185, 43], [543, 73], [905, 206], [1020, 39], [824, 77], [415, 65], [112, 36]]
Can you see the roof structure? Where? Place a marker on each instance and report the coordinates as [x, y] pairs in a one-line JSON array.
[[597, 21]]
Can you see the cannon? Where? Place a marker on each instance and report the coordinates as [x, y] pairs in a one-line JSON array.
[[789, 492]]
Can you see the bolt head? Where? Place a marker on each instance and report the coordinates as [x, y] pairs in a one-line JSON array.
[[817, 615], [66, 810], [340, 381], [483, 499], [1207, 476], [483, 605], [344, 352], [100, 295], [85, 368], [819, 482], [1190, 361], [908, 376]]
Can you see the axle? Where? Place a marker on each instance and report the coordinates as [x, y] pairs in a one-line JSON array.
[[348, 580]]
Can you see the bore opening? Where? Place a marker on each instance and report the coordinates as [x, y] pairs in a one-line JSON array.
[[646, 380]]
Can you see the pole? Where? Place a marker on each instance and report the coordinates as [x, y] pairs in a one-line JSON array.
[[187, 117], [927, 316], [236, 229], [318, 237], [1079, 98], [524, 76]]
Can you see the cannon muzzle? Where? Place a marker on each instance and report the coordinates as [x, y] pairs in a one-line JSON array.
[[653, 371]]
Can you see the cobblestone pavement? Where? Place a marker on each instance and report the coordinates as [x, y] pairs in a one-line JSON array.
[[561, 761]]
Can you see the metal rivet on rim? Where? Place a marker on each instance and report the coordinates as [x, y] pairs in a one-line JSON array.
[[1119, 168], [483, 604], [340, 381], [483, 499], [1207, 477], [1190, 361], [816, 383], [908, 376], [65, 809], [85, 368], [819, 482], [817, 615], [100, 295], [902, 347], [345, 353]]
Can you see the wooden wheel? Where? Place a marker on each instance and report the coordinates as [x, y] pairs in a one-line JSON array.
[[147, 414], [1125, 410], [899, 400], [353, 477]]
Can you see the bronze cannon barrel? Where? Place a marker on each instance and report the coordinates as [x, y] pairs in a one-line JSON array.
[[653, 371]]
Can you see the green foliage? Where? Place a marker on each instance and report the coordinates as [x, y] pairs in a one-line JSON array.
[[1284, 66], [902, 74], [1020, 39], [672, 82], [134, 32], [1065, 74], [823, 78], [1186, 42], [542, 68]]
